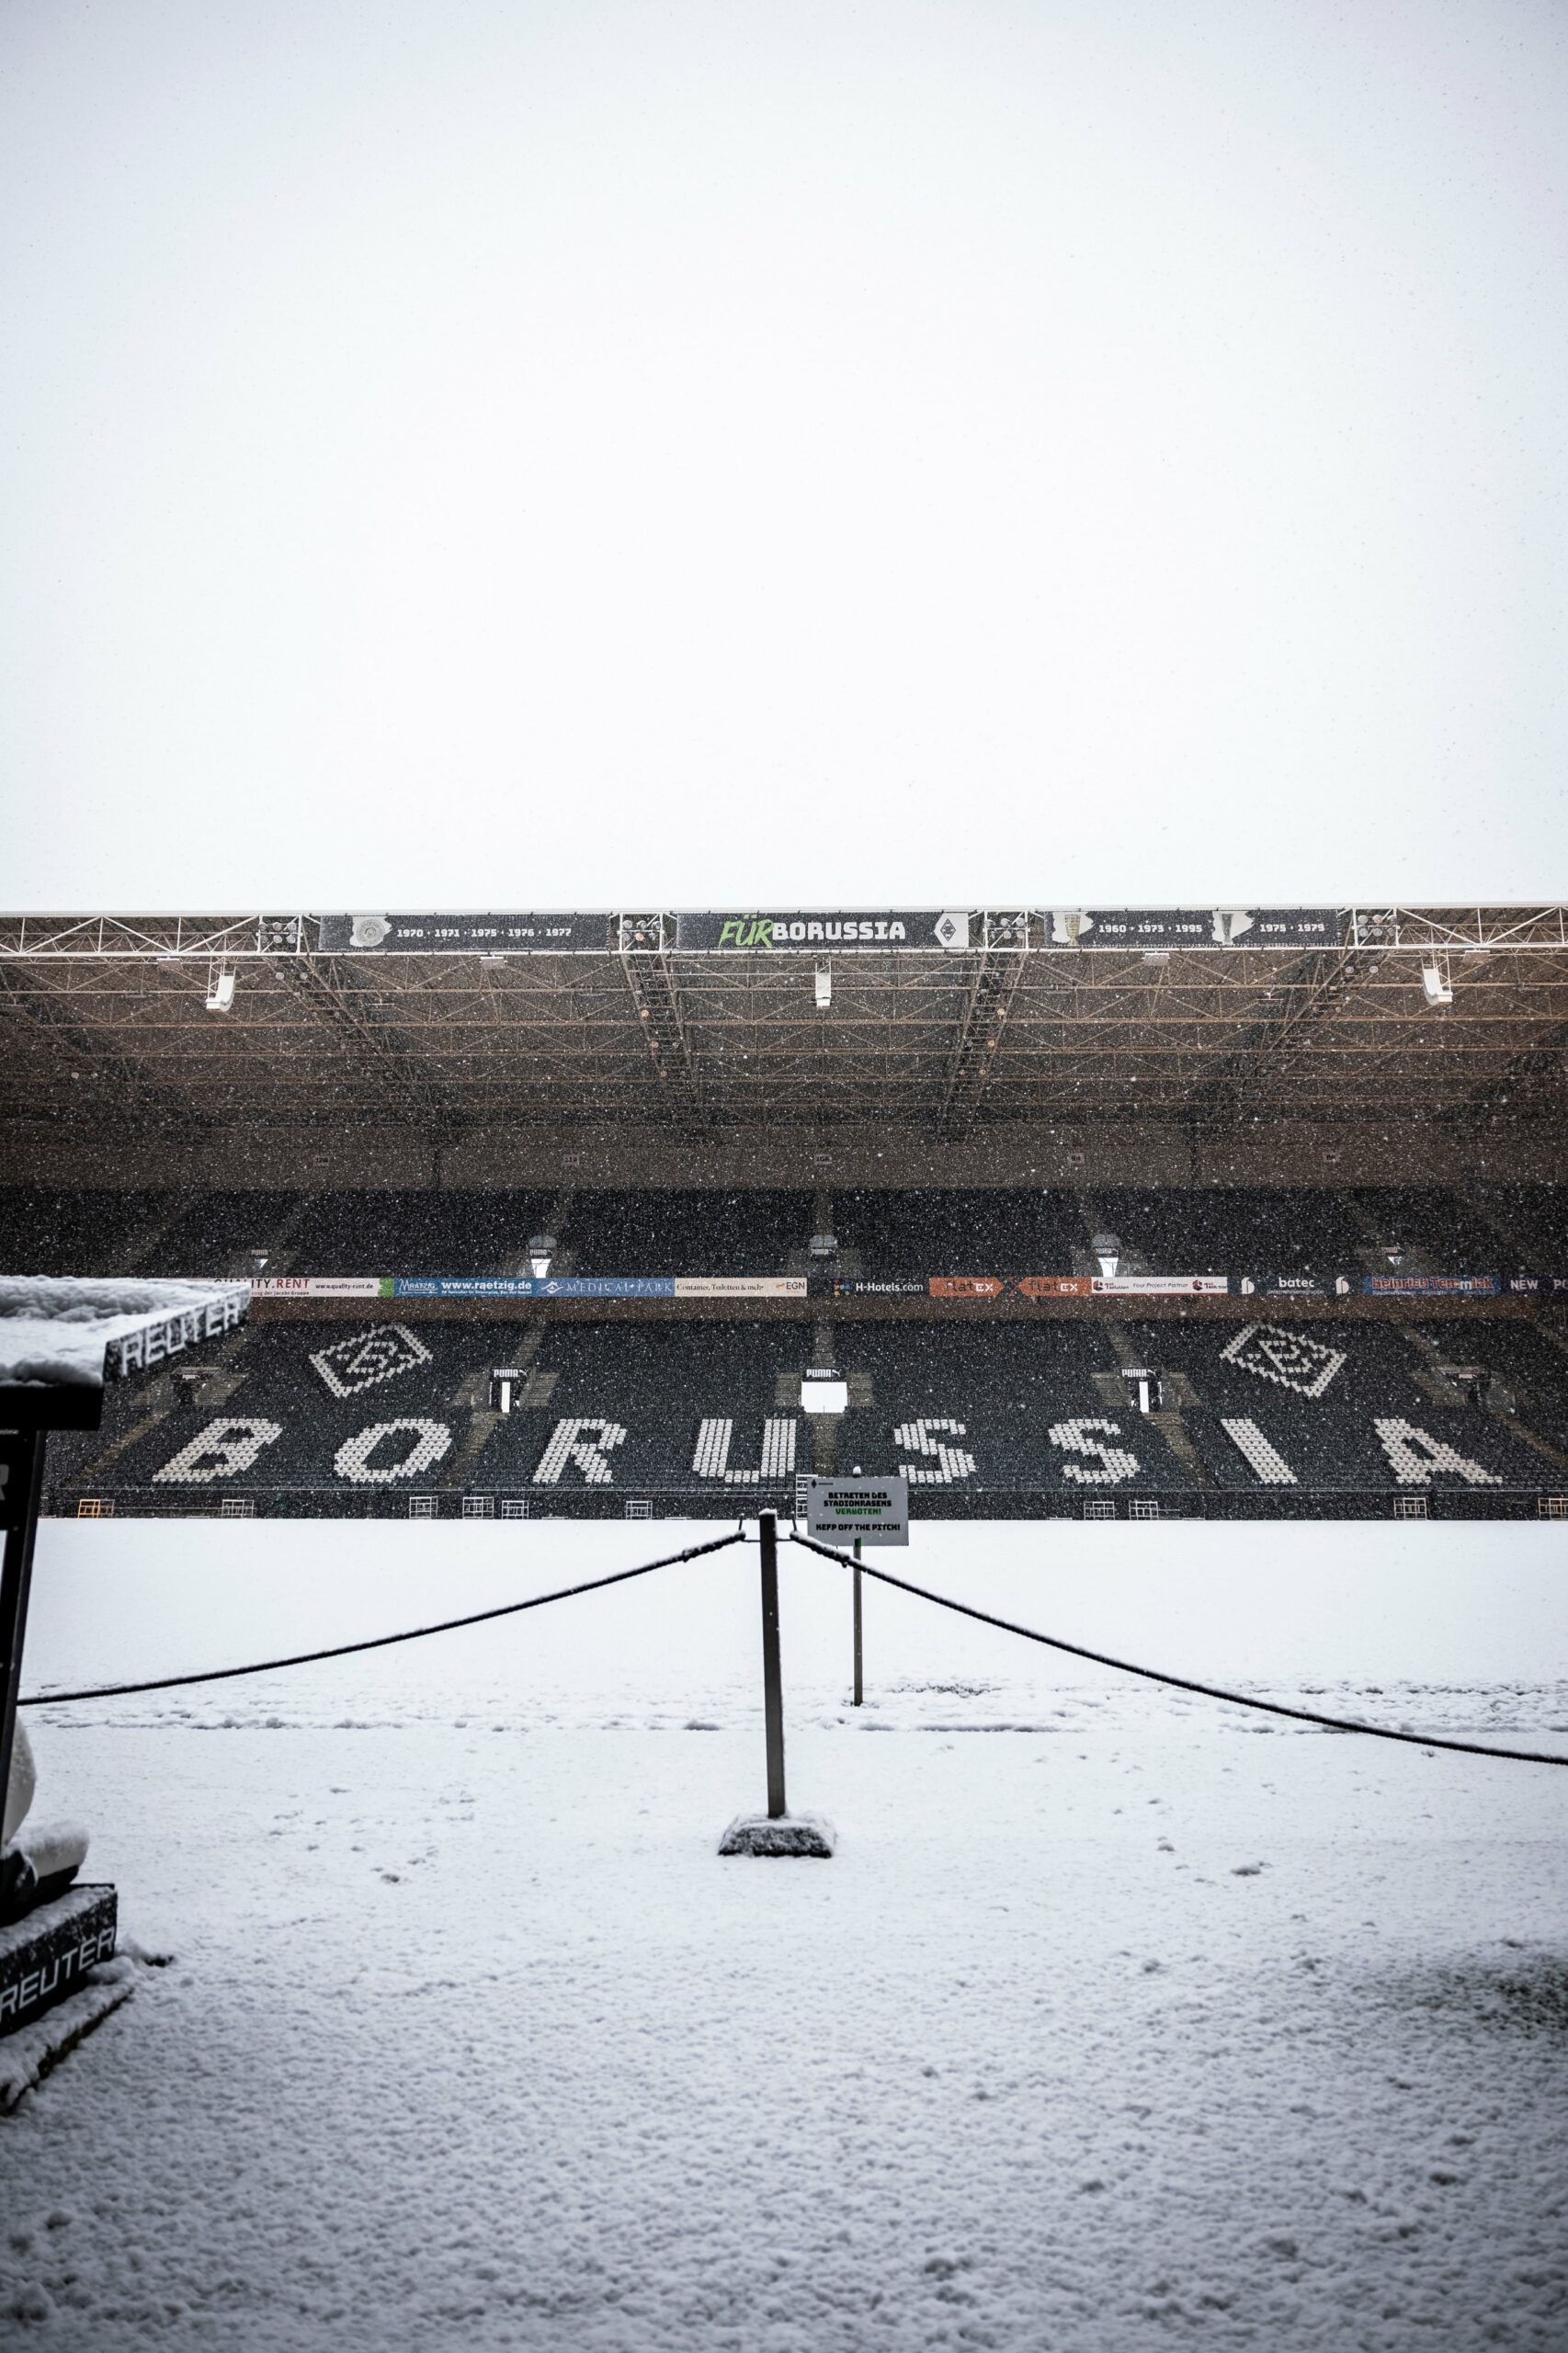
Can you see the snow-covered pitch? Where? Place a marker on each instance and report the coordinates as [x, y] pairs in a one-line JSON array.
[[1117, 2021]]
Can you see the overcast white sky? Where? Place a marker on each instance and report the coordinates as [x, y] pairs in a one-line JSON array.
[[472, 454]]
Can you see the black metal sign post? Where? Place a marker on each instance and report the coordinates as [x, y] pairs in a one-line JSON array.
[[772, 1672], [859, 1678], [21, 1484]]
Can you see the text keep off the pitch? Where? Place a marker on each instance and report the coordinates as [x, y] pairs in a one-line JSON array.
[[876, 1510]]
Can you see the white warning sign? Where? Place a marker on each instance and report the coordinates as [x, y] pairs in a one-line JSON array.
[[876, 1510]]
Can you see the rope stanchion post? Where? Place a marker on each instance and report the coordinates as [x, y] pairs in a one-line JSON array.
[[777, 1832], [860, 1697], [772, 1669]]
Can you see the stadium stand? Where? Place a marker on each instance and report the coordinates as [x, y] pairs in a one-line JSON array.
[[75, 1232], [666, 1387], [1339, 1246], [685, 1233], [321, 1415], [1362, 1364], [1435, 1229], [276, 1413], [1231, 1231], [946, 1232], [993, 1394], [217, 1233], [1328, 1405], [1220, 1230], [1537, 1216], [1527, 1369], [415, 1233]]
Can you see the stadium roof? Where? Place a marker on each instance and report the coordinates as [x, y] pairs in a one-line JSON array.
[[713, 1020]]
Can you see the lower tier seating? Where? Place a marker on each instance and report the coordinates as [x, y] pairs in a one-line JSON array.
[[329, 1412]]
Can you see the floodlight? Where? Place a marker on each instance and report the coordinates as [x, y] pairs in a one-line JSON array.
[[541, 1250], [824, 987], [823, 1391], [1108, 1251], [1435, 982], [220, 991]]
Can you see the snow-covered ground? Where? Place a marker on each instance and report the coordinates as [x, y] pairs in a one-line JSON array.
[[1137, 2021]]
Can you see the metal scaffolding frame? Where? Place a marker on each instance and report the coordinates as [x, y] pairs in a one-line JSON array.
[[1040, 932], [105, 1019]]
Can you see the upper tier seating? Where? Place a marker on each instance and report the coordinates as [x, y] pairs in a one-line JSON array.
[[687, 1234], [1448, 1236], [894, 1234], [54, 1232], [214, 1234], [1538, 1215], [978, 1233], [415, 1233], [1231, 1231]]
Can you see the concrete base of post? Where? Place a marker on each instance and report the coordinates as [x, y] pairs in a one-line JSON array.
[[783, 1833]]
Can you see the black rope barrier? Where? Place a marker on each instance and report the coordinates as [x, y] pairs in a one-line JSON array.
[[376, 1642], [1179, 1682]]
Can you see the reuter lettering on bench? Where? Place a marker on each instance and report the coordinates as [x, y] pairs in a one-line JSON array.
[[38, 1984], [137, 1351]]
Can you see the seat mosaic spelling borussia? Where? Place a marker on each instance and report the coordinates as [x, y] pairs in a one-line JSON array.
[[313, 1415]]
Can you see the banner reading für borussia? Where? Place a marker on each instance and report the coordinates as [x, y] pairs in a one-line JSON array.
[[763, 934]]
